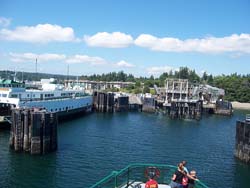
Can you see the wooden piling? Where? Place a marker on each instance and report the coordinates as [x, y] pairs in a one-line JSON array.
[[242, 144], [185, 109], [33, 131], [149, 104], [103, 102], [26, 144], [223, 108], [122, 104]]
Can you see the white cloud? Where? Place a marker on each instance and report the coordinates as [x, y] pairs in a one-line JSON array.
[[4, 22], [86, 59], [31, 57], [156, 71], [109, 40], [47, 57], [234, 43], [41, 33], [123, 63]]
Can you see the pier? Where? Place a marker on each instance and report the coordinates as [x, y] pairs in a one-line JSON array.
[[33, 131], [242, 143]]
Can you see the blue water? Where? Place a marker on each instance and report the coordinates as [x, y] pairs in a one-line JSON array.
[[96, 144]]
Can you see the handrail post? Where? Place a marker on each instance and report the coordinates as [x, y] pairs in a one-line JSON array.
[[116, 180], [128, 177]]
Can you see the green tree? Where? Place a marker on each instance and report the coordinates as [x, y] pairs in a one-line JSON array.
[[146, 89]]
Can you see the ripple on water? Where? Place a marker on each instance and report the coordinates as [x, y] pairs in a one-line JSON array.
[[93, 146]]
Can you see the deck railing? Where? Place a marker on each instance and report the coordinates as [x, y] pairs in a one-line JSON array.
[[136, 173], [248, 117]]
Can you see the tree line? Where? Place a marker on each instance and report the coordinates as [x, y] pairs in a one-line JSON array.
[[236, 86]]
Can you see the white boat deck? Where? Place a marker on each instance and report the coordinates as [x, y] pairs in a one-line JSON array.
[[142, 185]]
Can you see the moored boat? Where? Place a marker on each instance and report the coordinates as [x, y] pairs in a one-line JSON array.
[[51, 97]]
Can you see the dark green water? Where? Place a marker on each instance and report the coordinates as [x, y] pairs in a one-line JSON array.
[[93, 146]]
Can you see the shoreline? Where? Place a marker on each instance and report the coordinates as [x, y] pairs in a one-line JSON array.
[[240, 106]]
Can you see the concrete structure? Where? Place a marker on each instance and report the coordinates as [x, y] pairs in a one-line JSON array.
[[101, 85], [176, 90], [182, 89]]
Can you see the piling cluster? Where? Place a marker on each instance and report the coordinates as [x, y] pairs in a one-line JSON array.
[[107, 102], [103, 102], [149, 104], [176, 108], [184, 109], [223, 108], [122, 104], [33, 131], [242, 144]]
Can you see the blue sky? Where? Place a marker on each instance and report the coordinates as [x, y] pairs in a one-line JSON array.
[[139, 37]]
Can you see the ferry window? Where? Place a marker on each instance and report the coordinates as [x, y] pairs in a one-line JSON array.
[[46, 95], [34, 95], [14, 96], [59, 109], [51, 110], [28, 95], [56, 109], [4, 95]]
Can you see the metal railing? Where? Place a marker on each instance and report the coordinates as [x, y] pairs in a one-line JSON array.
[[136, 173], [248, 117]]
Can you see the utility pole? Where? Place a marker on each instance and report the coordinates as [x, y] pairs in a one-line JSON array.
[[36, 69], [68, 76]]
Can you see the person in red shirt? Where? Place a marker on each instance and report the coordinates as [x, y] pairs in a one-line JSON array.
[[151, 183]]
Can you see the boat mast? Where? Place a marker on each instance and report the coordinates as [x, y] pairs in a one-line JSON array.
[[36, 69], [68, 76]]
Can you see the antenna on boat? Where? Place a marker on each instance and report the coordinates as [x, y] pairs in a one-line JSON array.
[[14, 75], [36, 69], [68, 75]]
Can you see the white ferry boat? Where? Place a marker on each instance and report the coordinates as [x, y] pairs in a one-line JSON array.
[[52, 97]]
